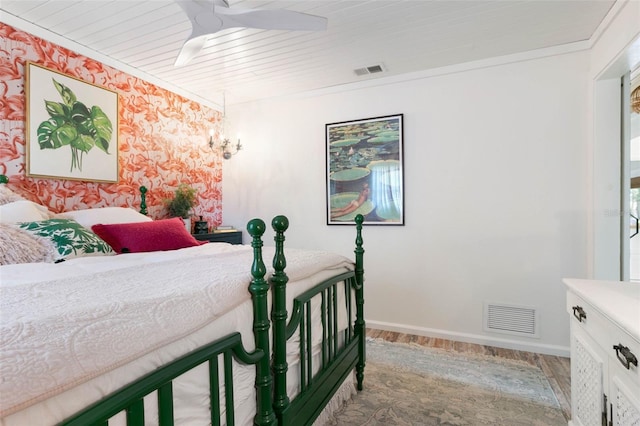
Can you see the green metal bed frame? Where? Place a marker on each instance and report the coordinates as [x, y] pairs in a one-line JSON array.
[[341, 353]]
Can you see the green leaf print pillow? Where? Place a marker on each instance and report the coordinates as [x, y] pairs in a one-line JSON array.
[[69, 238]]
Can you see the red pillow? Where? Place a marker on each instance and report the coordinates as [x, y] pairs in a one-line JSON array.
[[157, 235]]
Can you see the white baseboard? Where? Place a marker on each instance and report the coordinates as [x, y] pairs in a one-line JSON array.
[[563, 351]]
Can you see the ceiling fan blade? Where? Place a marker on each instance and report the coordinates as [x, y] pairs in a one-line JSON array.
[[203, 22], [208, 17], [190, 49], [271, 19]]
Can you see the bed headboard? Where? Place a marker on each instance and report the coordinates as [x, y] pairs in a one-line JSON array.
[[143, 194]]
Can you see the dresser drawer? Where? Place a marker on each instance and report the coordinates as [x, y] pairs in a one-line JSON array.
[[628, 348], [585, 316]]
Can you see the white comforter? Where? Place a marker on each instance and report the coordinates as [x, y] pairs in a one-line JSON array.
[[65, 324]]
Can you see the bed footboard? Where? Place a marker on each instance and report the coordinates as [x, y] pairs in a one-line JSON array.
[[322, 369]]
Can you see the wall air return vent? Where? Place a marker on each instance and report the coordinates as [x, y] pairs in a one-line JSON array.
[[510, 319], [373, 69]]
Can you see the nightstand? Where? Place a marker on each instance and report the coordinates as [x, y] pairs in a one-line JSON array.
[[233, 237]]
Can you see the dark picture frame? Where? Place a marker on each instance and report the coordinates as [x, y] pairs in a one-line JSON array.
[[365, 171], [72, 127]]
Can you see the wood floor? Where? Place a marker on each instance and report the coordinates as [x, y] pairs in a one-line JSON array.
[[557, 369]]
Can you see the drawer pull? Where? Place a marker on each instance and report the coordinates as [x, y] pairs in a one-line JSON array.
[[579, 313], [627, 357]]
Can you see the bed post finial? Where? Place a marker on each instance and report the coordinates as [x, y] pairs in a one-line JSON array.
[[258, 288], [280, 223], [143, 200], [279, 281], [360, 327]]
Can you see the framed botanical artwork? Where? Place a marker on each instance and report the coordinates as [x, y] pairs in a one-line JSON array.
[[365, 172], [72, 127]]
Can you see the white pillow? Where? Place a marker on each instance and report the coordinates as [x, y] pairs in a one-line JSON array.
[[23, 211], [104, 215]]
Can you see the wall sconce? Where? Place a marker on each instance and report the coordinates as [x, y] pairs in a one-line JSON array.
[[225, 145], [228, 149]]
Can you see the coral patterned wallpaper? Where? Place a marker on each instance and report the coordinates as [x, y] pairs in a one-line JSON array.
[[161, 136]]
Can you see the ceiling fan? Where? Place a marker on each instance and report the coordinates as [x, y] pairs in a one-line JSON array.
[[210, 16]]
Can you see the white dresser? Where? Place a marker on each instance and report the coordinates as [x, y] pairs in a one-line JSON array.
[[605, 350]]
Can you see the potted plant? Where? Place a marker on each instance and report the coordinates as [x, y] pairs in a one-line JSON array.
[[182, 203]]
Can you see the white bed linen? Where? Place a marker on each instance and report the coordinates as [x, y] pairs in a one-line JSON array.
[[65, 399]]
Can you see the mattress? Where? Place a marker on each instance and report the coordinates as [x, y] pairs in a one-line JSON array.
[[75, 332]]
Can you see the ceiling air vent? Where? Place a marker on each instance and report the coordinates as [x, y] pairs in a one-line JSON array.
[[373, 69], [510, 319]]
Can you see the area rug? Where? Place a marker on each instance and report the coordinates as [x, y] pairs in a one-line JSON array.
[[413, 385]]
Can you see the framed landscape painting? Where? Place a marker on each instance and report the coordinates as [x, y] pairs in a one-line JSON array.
[[365, 171], [72, 127]]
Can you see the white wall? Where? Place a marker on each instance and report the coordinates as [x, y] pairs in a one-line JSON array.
[[495, 194]]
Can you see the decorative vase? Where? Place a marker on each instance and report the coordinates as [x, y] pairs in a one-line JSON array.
[[201, 226]]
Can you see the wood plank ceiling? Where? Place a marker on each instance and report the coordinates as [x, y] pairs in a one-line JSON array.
[[403, 36]]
